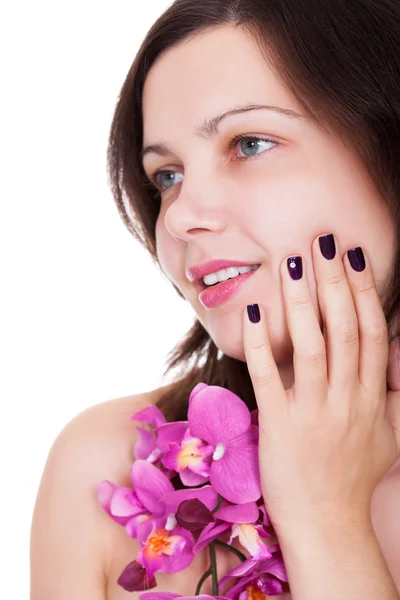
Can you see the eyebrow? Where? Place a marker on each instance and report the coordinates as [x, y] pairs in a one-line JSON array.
[[210, 128]]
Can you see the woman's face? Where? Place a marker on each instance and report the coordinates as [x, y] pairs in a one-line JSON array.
[[257, 202]]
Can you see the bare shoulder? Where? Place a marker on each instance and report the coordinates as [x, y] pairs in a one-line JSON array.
[[72, 538]]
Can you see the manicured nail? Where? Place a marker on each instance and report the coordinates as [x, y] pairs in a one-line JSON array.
[[327, 246], [253, 311], [295, 267], [356, 259]]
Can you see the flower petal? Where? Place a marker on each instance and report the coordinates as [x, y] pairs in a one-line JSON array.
[[151, 415], [216, 414], [160, 596], [189, 478], [171, 432], [145, 444], [209, 533], [206, 494], [236, 475], [238, 513], [125, 503], [150, 485]]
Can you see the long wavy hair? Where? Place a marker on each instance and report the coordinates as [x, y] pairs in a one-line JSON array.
[[341, 60]]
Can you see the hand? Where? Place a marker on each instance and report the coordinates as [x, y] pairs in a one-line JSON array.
[[327, 441]]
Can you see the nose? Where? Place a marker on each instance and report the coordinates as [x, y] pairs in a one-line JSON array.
[[199, 208]]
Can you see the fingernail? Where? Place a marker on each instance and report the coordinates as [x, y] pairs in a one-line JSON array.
[[327, 246], [253, 311], [295, 267], [356, 259]]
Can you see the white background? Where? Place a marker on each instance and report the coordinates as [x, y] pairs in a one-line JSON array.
[[85, 317]]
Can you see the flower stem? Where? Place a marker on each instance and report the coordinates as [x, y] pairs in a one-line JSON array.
[[202, 580], [218, 504], [233, 550], [213, 568]]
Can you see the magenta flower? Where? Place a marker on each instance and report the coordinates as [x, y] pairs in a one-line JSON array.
[[163, 550], [257, 577], [190, 457], [146, 445], [222, 420], [131, 507], [243, 521], [172, 596]]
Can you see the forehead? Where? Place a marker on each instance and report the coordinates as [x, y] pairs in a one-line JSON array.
[[205, 76]]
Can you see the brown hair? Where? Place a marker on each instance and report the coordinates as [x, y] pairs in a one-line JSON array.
[[341, 61]]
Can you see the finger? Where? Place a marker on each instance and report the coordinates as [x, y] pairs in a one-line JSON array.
[[267, 383], [309, 355], [338, 313], [393, 369], [373, 331]]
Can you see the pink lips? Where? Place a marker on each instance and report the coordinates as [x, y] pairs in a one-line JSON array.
[[213, 296]]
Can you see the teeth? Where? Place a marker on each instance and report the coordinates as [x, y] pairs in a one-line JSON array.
[[228, 273]]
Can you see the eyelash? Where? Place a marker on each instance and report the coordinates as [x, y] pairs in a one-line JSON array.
[[233, 142]]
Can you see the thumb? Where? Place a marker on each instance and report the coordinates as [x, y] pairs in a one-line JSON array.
[[393, 368]]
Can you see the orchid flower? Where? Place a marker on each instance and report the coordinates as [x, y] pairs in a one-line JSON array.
[[258, 577]]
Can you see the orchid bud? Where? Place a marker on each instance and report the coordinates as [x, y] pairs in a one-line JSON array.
[[134, 578], [193, 514]]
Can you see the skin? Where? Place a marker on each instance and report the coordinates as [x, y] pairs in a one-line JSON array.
[[261, 209]]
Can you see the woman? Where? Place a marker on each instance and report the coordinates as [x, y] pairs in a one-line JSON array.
[[317, 157]]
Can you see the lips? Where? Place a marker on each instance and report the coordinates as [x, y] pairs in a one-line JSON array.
[[196, 273]]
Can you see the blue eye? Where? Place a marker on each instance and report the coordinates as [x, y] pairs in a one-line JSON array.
[[254, 141]]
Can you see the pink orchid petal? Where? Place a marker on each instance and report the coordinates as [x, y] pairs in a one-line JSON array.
[[105, 491], [197, 388], [160, 596], [150, 484], [238, 513], [133, 525], [124, 503], [152, 564], [209, 533], [216, 414], [207, 495], [236, 475], [171, 432], [189, 478], [249, 539], [170, 460], [274, 587], [177, 562], [151, 415], [145, 443]]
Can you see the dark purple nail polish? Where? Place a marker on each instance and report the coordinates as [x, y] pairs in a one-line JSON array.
[[253, 310], [356, 259], [295, 267], [327, 246]]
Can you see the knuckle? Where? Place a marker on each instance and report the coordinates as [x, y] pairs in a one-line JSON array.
[[378, 333], [300, 302], [263, 378], [366, 287], [314, 355], [336, 279], [349, 333]]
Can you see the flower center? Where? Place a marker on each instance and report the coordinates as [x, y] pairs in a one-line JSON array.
[[219, 451], [254, 594], [158, 542]]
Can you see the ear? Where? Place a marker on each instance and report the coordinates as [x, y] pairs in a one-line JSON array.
[[393, 369]]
